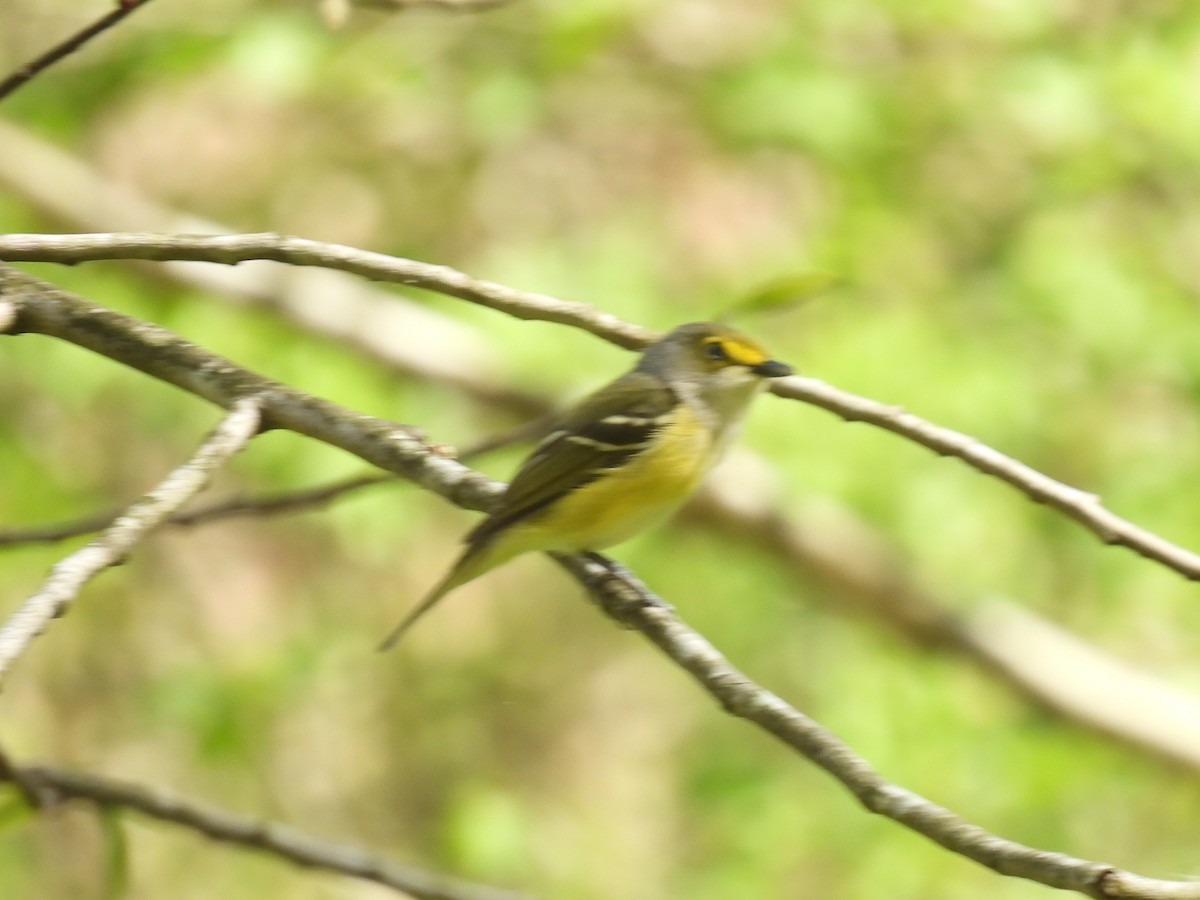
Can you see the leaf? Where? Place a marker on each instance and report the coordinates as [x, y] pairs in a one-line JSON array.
[[787, 290]]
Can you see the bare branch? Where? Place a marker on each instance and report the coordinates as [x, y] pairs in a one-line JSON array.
[[1081, 506], [623, 598], [8, 316], [27, 72], [232, 249], [44, 309], [28, 790], [69, 575], [1073, 678], [271, 504], [60, 785], [60, 531]]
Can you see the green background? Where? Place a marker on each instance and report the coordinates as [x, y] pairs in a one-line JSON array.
[[1009, 196]]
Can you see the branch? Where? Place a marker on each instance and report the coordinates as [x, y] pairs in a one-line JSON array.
[[29, 792], [26, 73], [271, 504], [237, 248], [1085, 508], [624, 599], [1081, 506], [40, 308], [70, 574], [54, 785]]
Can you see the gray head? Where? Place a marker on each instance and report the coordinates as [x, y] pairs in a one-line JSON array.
[[699, 351]]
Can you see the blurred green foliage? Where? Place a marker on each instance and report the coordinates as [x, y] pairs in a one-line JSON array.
[[1008, 195]]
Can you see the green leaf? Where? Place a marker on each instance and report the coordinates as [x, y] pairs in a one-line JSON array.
[[785, 291]]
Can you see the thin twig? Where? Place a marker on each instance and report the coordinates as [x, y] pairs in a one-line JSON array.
[[1083, 507], [27, 72], [26, 787], [57, 531], [269, 837], [70, 574], [271, 504]]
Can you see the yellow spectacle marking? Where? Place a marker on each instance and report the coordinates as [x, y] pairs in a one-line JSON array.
[[743, 352]]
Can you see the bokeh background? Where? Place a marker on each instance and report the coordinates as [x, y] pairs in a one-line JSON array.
[[1009, 194]]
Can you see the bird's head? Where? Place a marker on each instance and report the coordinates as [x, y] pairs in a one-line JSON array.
[[711, 352]]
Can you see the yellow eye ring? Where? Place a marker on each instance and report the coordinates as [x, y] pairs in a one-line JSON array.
[[715, 350]]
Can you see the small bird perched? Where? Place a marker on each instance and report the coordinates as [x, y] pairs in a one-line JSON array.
[[623, 458]]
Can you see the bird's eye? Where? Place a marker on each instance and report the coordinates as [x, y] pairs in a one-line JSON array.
[[714, 350]]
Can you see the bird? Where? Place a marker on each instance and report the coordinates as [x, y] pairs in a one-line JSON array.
[[623, 458]]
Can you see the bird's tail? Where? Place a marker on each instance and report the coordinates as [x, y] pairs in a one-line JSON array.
[[476, 559]]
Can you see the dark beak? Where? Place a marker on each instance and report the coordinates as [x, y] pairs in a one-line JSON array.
[[771, 368]]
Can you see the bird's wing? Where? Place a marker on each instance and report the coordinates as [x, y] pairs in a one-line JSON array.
[[602, 432]]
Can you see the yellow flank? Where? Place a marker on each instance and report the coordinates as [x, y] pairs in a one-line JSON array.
[[603, 512], [619, 504]]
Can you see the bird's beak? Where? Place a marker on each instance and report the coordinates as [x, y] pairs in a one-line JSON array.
[[771, 368]]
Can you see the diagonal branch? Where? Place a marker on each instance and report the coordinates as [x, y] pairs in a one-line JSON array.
[[1082, 507], [55, 785], [36, 307], [232, 249], [629, 602], [1085, 508], [28, 71], [70, 574]]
